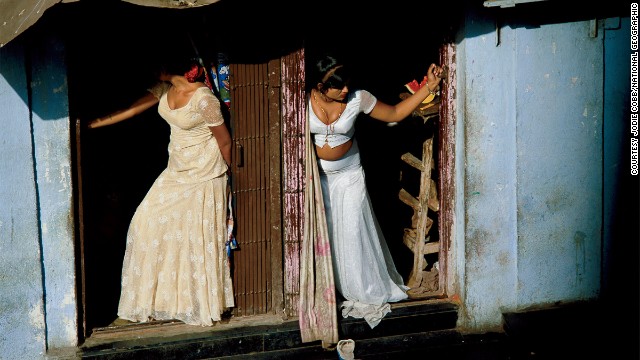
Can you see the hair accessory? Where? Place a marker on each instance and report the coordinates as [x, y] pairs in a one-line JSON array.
[[193, 73], [330, 73]]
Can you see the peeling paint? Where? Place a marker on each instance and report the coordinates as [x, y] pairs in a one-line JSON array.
[[65, 176], [35, 316], [503, 258], [69, 299], [557, 200], [39, 338], [293, 125], [477, 242]]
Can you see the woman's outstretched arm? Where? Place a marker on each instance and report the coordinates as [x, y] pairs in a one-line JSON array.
[[136, 108]]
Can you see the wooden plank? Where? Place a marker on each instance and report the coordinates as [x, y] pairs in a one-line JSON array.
[[275, 185], [413, 161], [408, 199], [409, 239], [446, 153], [80, 201], [293, 105], [433, 202]]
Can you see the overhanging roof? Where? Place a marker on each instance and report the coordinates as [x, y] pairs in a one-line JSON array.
[[18, 15]]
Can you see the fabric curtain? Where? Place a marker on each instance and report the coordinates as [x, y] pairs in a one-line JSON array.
[[317, 308]]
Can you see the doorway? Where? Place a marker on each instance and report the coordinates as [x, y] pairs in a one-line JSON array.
[[116, 165]]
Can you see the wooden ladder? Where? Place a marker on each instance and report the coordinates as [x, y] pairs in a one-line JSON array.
[[422, 283]]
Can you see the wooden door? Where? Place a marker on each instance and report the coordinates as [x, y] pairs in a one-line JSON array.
[[255, 129]]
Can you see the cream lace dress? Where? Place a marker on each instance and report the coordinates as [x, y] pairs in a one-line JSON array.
[[175, 264]]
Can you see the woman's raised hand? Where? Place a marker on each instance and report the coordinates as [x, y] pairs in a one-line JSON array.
[[434, 75]]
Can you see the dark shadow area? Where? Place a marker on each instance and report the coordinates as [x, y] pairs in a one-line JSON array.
[[114, 48]]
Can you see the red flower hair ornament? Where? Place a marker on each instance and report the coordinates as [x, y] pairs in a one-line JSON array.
[[193, 73]]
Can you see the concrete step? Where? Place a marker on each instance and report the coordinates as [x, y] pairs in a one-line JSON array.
[[407, 324]]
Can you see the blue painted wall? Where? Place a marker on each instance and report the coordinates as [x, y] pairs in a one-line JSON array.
[[37, 274], [536, 142], [52, 151], [530, 130], [21, 271]]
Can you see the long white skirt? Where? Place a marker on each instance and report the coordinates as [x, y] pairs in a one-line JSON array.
[[364, 272]]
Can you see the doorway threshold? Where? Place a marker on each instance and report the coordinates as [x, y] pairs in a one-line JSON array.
[[258, 334], [175, 330]]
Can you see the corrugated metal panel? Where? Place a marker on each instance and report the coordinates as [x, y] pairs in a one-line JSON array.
[[252, 273]]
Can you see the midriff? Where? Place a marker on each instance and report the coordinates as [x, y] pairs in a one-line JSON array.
[[326, 152]]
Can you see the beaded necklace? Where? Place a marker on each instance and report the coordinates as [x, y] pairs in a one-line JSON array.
[[330, 125]]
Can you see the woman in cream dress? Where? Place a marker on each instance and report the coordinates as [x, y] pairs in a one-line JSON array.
[[175, 263]]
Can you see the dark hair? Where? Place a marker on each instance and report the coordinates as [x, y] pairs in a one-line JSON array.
[[329, 72], [180, 66]]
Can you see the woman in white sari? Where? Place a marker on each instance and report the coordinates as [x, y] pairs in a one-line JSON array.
[[364, 273]]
